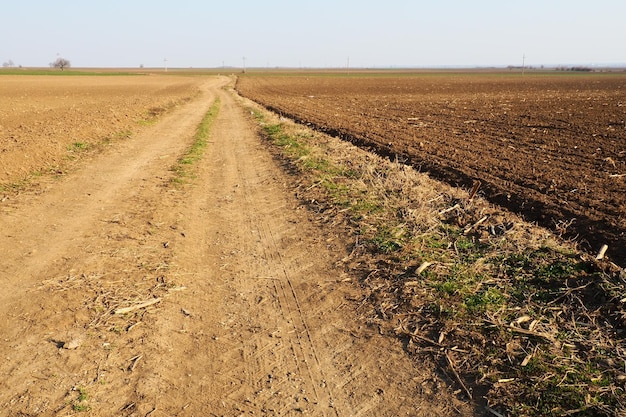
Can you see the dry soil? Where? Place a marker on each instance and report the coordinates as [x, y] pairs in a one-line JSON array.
[[235, 304]]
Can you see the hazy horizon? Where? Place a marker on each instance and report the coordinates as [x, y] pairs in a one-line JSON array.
[[321, 34]]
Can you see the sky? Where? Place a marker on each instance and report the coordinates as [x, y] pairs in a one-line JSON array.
[[318, 33]]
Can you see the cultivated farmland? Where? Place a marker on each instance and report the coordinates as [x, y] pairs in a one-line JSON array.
[[549, 146], [169, 247], [45, 120]]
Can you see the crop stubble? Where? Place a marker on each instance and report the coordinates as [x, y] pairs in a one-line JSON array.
[[549, 146]]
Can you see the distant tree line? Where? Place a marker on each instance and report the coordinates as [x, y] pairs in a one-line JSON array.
[[561, 68], [60, 63], [578, 69]]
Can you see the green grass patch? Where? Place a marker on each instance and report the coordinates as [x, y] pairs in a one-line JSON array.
[[388, 239], [184, 168]]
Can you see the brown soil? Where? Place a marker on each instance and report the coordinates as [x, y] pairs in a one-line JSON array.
[[246, 312], [46, 120], [550, 147]]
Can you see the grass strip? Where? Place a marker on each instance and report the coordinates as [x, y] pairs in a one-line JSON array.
[[519, 318], [184, 168]]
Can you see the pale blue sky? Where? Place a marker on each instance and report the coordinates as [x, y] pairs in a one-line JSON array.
[[319, 33]]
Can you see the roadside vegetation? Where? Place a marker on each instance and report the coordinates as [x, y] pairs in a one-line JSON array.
[[509, 311], [185, 166]]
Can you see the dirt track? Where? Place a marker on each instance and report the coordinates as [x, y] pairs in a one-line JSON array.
[[252, 316]]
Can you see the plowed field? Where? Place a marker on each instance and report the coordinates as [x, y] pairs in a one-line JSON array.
[[549, 146]]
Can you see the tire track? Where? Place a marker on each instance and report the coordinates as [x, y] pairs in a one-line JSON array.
[[301, 342], [270, 230]]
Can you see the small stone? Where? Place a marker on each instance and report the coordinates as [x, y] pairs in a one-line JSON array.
[[72, 344]]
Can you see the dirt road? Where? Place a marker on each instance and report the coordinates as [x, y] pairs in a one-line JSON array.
[[234, 303]]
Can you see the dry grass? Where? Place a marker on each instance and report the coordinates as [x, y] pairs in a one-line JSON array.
[[511, 312]]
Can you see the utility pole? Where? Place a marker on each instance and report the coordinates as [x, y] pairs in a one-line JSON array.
[[523, 63], [244, 64], [165, 63]]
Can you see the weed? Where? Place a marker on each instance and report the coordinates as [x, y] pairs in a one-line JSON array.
[[465, 244], [82, 394], [124, 134], [21, 184], [363, 208], [80, 408], [78, 147], [117, 329], [482, 301], [388, 240], [80, 405], [448, 287]]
